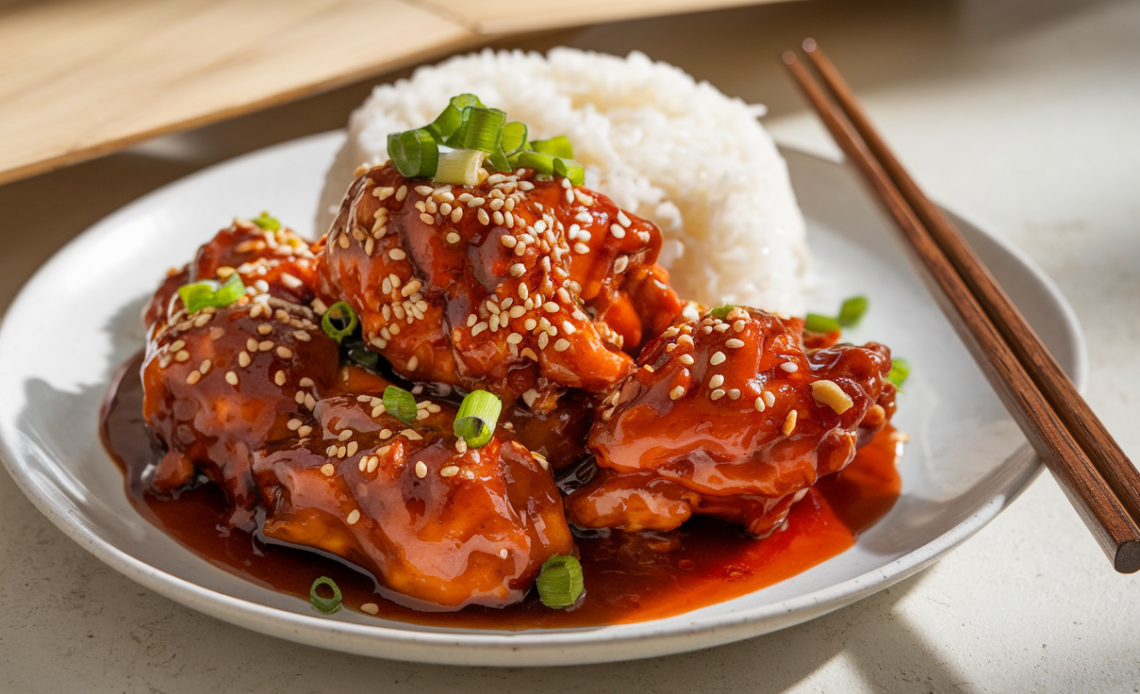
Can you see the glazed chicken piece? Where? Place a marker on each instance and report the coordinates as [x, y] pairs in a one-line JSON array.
[[730, 418], [217, 382], [441, 525], [520, 286]]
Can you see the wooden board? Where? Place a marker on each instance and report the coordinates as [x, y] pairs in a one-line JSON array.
[[509, 16], [81, 78]]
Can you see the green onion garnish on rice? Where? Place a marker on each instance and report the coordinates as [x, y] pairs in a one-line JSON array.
[[467, 126]]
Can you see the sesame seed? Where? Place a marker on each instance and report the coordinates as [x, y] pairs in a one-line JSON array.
[[456, 215], [293, 424], [769, 398], [413, 363], [452, 237], [411, 435], [279, 378], [265, 345], [676, 393], [790, 423], [353, 517], [562, 345], [330, 451], [759, 404], [789, 367], [621, 263], [483, 217], [352, 447], [829, 393], [341, 452], [231, 378], [370, 608], [397, 254], [686, 359], [717, 358], [385, 434], [182, 355], [734, 343], [204, 367], [328, 469], [373, 463], [344, 435], [734, 394], [618, 231], [421, 470], [517, 270], [738, 326], [194, 377], [284, 352], [306, 382], [716, 381], [449, 471], [310, 402], [305, 430], [479, 327], [717, 394]]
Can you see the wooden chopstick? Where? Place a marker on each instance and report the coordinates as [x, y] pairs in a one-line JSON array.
[[1104, 500]]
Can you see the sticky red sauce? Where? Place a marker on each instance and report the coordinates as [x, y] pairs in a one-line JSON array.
[[629, 577]]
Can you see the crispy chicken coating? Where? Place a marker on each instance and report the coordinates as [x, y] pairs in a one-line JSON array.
[[516, 285], [730, 418], [441, 525], [217, 382], [252, 395]]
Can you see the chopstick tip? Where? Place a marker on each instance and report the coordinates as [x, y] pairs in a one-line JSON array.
[[789, 58], [809, 45]]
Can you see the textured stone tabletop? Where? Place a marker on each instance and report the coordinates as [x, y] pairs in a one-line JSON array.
[[1021, 113]]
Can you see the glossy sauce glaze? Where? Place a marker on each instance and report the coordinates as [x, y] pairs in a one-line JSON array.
[[629, 577]]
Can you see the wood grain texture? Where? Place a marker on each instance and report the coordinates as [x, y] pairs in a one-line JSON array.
[[507, 16], [80, 78], [1094, 498]]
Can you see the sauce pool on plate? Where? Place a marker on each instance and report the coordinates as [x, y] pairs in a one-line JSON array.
[[629, 577]]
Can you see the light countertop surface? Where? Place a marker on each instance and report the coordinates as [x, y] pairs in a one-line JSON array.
[[1021, 113]]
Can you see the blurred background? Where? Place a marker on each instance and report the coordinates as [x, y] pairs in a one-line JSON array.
[[1020, 113]]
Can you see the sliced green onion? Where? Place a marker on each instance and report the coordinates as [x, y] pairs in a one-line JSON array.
[[818, 323], [465, 101], [483, 128], [556, 147], [542, 163], [560, 582], [514, 137], [415, 153], [267, 223], [498, 161], [323, 604], [198, 295], [852, 311], [343, 314], [722, 312], [568, 168], [900, 369], [400, 404], [478, 414], [460, 166]]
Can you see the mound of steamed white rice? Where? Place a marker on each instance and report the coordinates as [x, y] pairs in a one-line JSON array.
[[675, 151]]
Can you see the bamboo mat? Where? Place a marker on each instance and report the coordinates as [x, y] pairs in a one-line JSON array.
[[82, 78]]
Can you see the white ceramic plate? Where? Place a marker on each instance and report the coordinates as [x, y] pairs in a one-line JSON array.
[[77, 320]]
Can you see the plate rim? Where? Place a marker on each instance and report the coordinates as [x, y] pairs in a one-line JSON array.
[[541, 647]]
